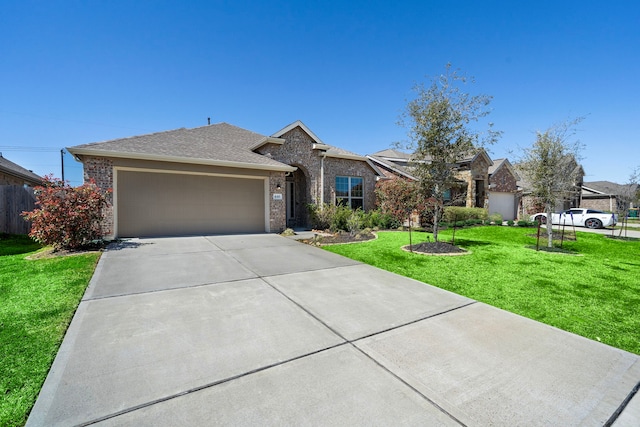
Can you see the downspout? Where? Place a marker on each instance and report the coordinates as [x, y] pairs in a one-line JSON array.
[[322, 156]]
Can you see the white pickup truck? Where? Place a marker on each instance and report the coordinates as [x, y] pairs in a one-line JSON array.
[[590, 218]]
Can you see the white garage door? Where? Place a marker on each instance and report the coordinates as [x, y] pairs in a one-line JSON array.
[[504, 204], [169, 204]]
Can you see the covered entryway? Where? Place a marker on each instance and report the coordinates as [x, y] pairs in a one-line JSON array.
[[157, 203], [297, 199], [504, 204]]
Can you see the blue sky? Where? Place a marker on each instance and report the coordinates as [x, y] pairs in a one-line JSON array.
[[75, 72]]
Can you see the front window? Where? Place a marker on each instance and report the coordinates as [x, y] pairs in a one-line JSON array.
[[349, 191]]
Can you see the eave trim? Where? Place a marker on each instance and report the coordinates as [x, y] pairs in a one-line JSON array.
[[190, 160]]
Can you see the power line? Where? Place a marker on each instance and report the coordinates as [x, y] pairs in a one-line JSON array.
[[28, 149], [82, 122]]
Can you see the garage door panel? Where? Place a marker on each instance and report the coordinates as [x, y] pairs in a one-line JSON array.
[[504, 204], [161, 204]]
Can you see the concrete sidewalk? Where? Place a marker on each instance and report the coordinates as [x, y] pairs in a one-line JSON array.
[[264, 330]]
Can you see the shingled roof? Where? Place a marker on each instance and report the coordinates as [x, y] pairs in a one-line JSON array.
[[10, 168], [606, 188], [220, 144]]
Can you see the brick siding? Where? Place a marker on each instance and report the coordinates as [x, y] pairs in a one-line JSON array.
[[297, 151], [503, 181], [100, 169]]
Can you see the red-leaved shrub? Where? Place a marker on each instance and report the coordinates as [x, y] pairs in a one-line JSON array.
[[66, 217]]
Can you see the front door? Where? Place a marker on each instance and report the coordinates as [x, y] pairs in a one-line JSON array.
[[479, 194], [291, 204]]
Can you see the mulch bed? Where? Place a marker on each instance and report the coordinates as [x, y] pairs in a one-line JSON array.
[[49, 252], [338, 238], [436, 248], [557, 235]]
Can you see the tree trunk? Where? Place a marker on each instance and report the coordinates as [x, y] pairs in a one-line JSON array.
[[549, 213], [436, 214]]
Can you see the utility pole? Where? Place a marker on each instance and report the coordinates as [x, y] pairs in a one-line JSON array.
[[62, 162]]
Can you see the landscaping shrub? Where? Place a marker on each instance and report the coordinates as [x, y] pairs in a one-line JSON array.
[[371, 219], [340, 218], [321, 216], [458, 213], [495, 218], [510, 222], [388, 222], [66, 217], [354, 222], [399, 197], [336, 218]]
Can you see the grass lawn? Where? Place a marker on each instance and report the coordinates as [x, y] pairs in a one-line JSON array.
[[39, 299], [595, 293]]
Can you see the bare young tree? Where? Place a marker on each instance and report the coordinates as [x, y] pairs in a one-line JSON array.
[[551, 167], [629, 194], [441, 128]]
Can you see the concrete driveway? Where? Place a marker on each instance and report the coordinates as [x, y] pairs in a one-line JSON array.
[[263, 330]]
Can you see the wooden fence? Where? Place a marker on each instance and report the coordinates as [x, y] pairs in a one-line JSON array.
[[14, 199]]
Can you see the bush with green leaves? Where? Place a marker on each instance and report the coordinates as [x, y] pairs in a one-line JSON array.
[[458, 213], [371, 219], [66, 217], [354, 222], [510, 222], [495, 218], [335, 217], [321, 216], [342, 218], [389, 222]]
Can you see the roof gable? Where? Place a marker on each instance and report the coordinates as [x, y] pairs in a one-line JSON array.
[[498, 164], [328, 150], [302, 126], [393, 167]]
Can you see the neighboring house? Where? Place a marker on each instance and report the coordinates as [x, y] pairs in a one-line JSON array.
[[606, 195], [13, 174], [504, 193], [393, 164], [471, 172], [16, 196], [572, 195], [222, 179]]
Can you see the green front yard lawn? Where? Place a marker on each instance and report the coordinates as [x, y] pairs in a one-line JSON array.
[[39, 298], [594, 293]]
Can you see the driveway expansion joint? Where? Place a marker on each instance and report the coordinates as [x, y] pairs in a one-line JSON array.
[[353, 344], [209, 385], [154, 291]]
